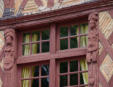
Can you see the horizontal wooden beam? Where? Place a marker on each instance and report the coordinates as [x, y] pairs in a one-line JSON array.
[[47, 56], [56, 15]]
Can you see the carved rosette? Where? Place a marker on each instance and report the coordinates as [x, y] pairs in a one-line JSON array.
[[9, 49], [93, 48]]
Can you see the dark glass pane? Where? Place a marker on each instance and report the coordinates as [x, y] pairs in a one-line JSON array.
[[63, 81], [74, 42], [84, 28], [83, 41], [35, 83], [26, 37], [74, 30], [63, 31], [35, 36], [73, 66], [44, 70], [64, 44], [35, 48], [63, 67], [45, 47], [45, 35], [74, 79], [26, 50], [84, 78], [45, 82], [35, 71], [81, 79]]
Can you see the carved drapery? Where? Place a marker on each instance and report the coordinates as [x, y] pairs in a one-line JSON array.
[[93, 47]]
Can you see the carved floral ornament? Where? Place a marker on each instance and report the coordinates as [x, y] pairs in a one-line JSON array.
[[9, 49]]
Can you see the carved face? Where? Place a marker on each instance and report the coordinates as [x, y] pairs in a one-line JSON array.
[[92, 23], [8, 40], [8, 63]]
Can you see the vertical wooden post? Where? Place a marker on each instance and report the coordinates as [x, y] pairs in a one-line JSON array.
[[52, 51], [52, 38], [52, 73], [10, 55], [93, 50], [8, 8], [50, 3]]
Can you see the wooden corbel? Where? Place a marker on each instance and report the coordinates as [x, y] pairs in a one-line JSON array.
[[93, 48]]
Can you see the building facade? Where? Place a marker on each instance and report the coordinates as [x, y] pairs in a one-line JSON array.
[[56, 43]]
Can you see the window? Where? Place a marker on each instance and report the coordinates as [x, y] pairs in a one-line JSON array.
[[36, 42], [35, 76], [62, 68], [73, 73], [73, 36]]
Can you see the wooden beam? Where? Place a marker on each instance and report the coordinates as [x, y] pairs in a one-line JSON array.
[[48, 56], [23, 4], [9, 3], [52, 38], [52, 73], [77, 10]]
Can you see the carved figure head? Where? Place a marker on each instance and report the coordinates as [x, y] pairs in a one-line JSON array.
[[8, 63], [9, 36], [9, 50], [93, 18]]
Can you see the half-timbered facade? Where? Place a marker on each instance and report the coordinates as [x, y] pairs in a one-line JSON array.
[[56, 43]]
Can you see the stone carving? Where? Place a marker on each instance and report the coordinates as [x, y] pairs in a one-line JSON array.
[[9, 49], [93, 47]]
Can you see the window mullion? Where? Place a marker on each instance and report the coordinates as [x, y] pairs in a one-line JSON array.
[[30, 43], [68, 37], [79, 73], [79, 35], [40, 75], [52, 38], [30, 82], [68, 73], [40, 43], [52, 74]]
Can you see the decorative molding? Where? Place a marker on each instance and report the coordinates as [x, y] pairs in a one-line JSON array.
[[93, 48]]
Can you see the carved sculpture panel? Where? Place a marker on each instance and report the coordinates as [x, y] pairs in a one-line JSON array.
[[9, 49], [93, 47]]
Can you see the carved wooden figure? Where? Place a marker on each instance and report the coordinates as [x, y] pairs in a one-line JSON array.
[[9, 49], [93, 47]]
